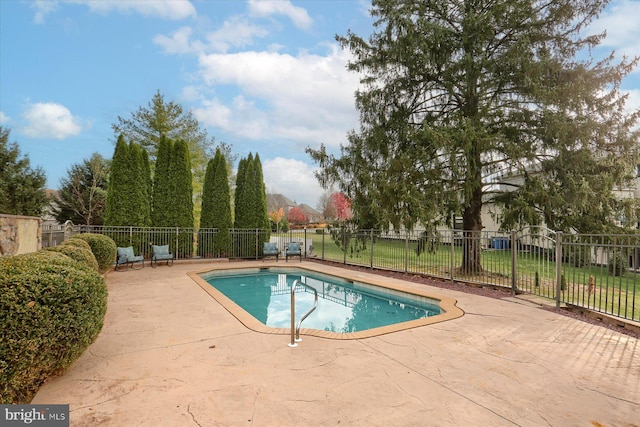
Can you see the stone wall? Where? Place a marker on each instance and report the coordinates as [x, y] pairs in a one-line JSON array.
[[19, 234]]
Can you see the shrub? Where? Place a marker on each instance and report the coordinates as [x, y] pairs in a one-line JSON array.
[[103, 248], [51, 308], [77, 243], [78, 253]]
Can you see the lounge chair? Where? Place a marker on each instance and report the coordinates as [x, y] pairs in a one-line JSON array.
[[270, 249], [127, 258], [293, 249], [161, 253]]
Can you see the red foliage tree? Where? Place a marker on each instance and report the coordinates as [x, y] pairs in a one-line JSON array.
[[296, 216], [342, 206]]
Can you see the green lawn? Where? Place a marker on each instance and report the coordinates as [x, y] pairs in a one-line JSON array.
[[613, 295]]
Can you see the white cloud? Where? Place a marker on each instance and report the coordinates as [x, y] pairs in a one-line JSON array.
[[293, 179], [4, 119], [166, 9], [305, 98], [297, 15], [50, 120], [235, 32], [633, 102], [42, 7], [179, 42], [620, 23]]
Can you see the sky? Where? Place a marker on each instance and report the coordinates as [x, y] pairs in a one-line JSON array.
[[264, 76]]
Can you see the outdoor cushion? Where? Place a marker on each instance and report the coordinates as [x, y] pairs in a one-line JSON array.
[[125, 253], [293, 249], [161, 250], [127, 256], [270, 248]]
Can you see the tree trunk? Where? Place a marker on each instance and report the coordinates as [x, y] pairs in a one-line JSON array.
[[472, 226]]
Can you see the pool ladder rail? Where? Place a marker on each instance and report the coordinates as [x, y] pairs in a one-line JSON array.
[[295, 329]]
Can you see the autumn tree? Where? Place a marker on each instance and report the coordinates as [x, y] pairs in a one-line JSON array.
[[296, 216], [455, 95], [341, 205], [276, 217], [82, 194], [22, 188]]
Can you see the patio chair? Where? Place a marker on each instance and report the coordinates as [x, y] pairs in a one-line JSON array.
[[161, 253], [127, 258], [293, 249], [270, 249]]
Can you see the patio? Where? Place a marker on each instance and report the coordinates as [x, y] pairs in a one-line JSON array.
[[169, 354]]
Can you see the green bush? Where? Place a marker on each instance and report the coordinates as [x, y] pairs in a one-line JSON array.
[[103, 248], [77, 243], [51, 308], [77, 253]]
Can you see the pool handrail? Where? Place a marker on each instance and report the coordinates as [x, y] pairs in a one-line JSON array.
[[295, 329]]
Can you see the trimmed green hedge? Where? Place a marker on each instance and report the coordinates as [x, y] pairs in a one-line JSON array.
[[103, 247], [78, 253], [51, 308]]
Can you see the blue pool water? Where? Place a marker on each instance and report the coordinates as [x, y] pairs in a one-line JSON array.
[[342, 306]]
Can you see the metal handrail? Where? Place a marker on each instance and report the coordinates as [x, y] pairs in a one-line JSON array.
[[296, 339]]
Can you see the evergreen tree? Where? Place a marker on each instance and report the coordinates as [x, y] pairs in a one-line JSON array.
[[117, 211], [22, 189], [260, 212], [164, 118], [162, 182], [221, 211], [457, 93], [148, 185], [181, 196], [208, 200], [241, 205], [138, 197]]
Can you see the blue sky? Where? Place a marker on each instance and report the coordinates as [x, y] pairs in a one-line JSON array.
[[264, 76]]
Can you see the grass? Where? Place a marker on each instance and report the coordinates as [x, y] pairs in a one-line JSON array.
[[616, 295]]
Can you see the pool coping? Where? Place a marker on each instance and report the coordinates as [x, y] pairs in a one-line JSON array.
[[448, 304]]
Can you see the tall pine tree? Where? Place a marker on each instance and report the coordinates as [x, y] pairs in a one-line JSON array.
[[455, 94]]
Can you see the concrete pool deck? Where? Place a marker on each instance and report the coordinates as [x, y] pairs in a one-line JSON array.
[[170, 355]]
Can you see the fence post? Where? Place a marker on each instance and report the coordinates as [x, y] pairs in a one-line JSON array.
[[558, 267], [305, 241], [344, 245], [371, 260], [514, 266], [177, 240], [453, 253], [406, 252], [323, 244]]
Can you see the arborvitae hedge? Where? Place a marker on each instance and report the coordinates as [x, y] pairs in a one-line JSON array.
[[117, 209], [161, 204], [182, 196], [222, 207], [205, 236], [51, 308]]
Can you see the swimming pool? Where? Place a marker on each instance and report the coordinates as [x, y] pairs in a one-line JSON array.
[[348, 307]]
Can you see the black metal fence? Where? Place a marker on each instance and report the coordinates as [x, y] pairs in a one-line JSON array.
[[597, 272]]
